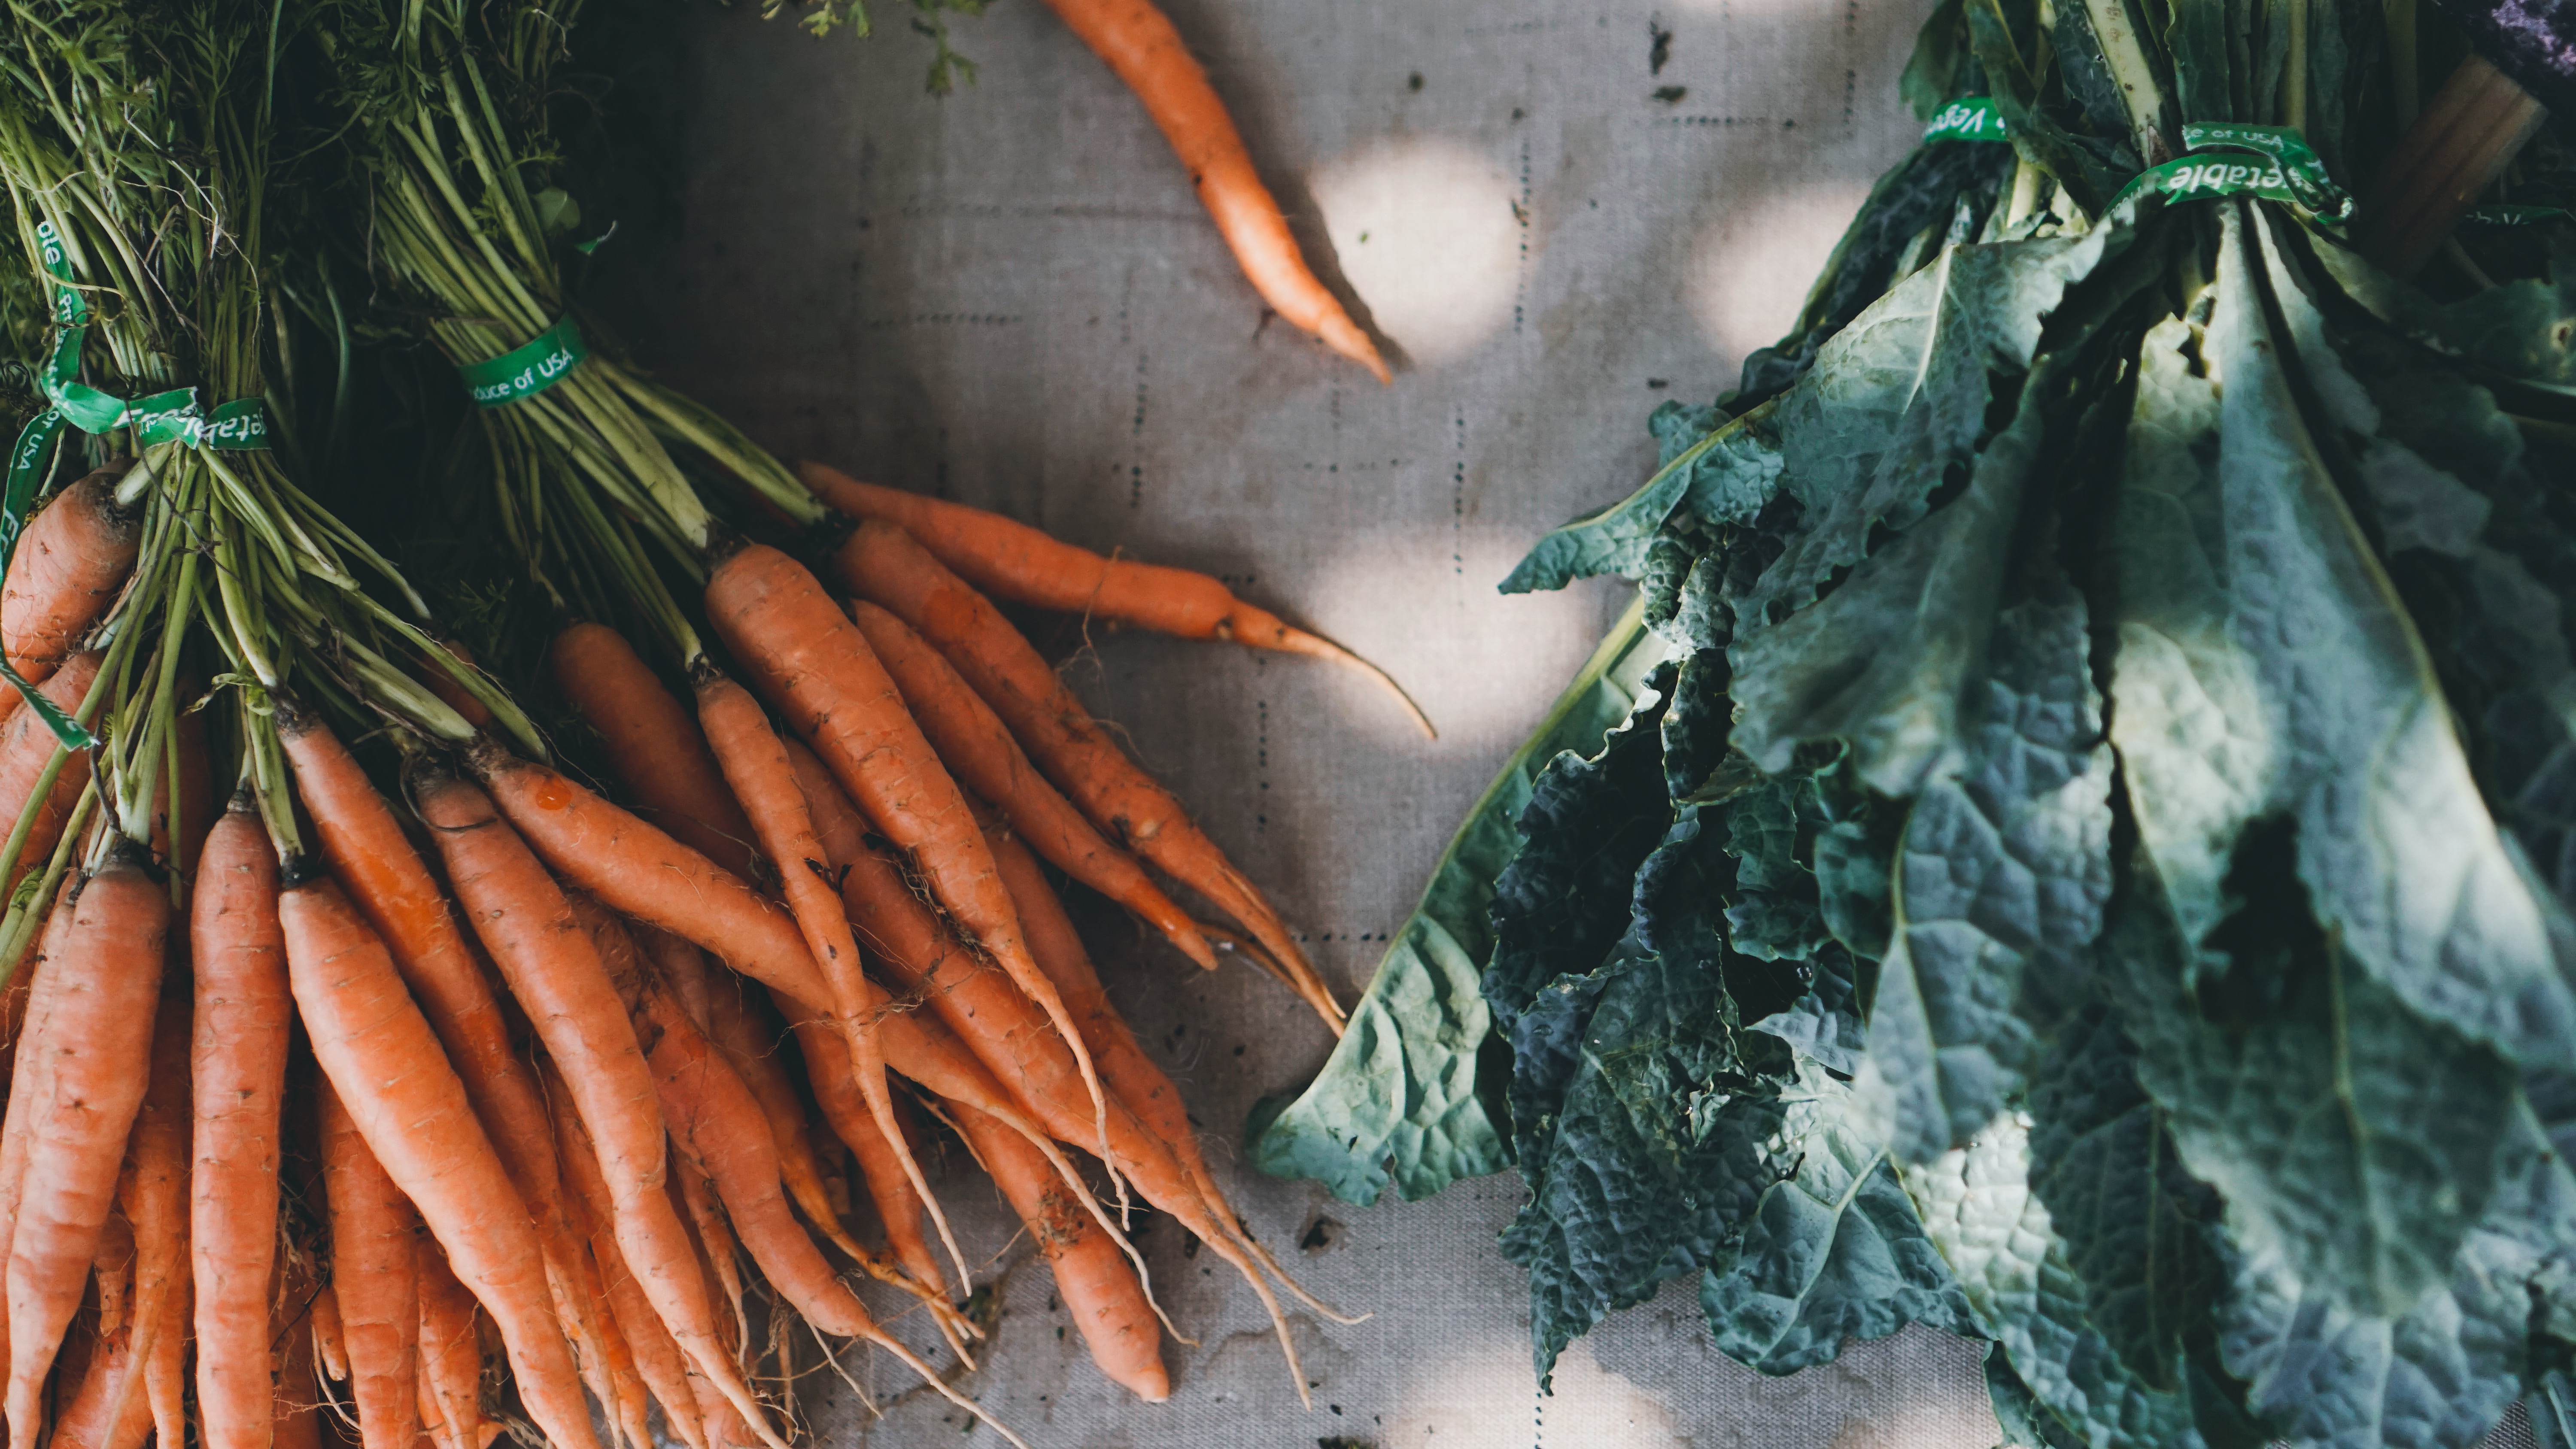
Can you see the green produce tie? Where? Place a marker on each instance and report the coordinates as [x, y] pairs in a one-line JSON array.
[[1970, 118], [2515, 214], [2287, 171], [523, 372], [164, 417]]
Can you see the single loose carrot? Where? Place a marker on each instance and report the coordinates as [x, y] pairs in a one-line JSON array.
[[97, 1060], [375, 1275], [817, 666], [653, 745], [528, 926], [451, 1354], [244, 1020], [1011, 561], [1148, 54], [638, 870], [974, 743], [71, 563], [755, 765], [657, 1355], [381, 1056], [882, 564], [1094, 1280], [714, 1114]]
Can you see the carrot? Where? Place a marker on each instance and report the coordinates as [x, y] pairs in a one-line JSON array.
[[330, 1345], [755, 765], [1011, 561], [442, 682], [1016, 1044], [27, 748], [821, 672], [1093, 1278], [883, 565], [96, 1051], [1148, 54], [898, 1206], [715, 1116], [244, 1017], [71, 563], [528, 926], [637, 870], [657, 1355], [379, 1053], [751, 1048], [295, 1401], [973, 741], [364, 846], [155, 1198], [29, 1057], [451, 1354], [375, 1275], [653, 745]]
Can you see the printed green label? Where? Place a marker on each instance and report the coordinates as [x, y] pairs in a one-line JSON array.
[[1970, 118], [2515, 214], [523, 372], [238, 426], [2281, 168]]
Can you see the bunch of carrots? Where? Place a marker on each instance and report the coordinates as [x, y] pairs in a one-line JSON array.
[[420, 1059]]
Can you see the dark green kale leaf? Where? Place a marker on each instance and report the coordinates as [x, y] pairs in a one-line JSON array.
[[1563, 902], [2265, 667], [1411, 1093], [2389, 1195], [1723, 476], [1833, 1252], [2001, 878], [1656, 1157]]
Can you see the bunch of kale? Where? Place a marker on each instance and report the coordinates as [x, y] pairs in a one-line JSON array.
[[2087, 862]]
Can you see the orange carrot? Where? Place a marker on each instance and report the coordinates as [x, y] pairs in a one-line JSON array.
[[364, 846], [1013, 1041], [26, 748], [973, 741], [244, 1017], [295, 1399], [380, 1055], [155, 1199], [818, 668], [451, 1355], [653, 745], [751, 1047], [755, 765], [713, 1114], [884, 566], [1148, 54], [375, 1275], [898, 1206], [657, 1355], [442, 682], [639, 871], [528, 926], [96, 1052], [1094, 1279], [330, 1345], [29, 1059], [71, 563], [1011, 561]]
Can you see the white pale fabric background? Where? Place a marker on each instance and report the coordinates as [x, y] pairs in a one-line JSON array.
[[1011, 297]]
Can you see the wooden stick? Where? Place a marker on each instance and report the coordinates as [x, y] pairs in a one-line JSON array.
[[2455, 150]]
